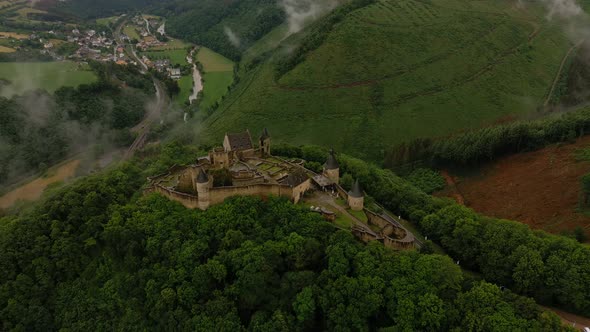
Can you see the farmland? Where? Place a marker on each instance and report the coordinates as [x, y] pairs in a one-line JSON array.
[[4, 49], [218, 76], [176, 56], [540, 188], [399, 70], [48, 76]]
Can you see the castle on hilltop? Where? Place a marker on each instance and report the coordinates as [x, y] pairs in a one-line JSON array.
[[239, 168]]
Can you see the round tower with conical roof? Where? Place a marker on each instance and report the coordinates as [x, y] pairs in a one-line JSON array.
[[332, 168], [203, 190], [356, 198], [265, 143]]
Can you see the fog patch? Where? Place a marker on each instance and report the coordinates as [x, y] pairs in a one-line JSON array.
[[233, 38], [300, 13]]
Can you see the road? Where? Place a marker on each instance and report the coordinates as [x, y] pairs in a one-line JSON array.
[[154, 111]]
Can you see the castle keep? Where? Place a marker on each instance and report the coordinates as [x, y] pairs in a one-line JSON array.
[[240, 168]]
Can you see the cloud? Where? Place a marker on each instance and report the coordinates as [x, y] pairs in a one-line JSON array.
[[302, 12], [233, 38]]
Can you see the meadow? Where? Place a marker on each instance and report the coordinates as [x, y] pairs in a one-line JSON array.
[[106, 21], [48, 76], [176, 56], [395, 71], [130, 31], [218, 76], [185, 83]]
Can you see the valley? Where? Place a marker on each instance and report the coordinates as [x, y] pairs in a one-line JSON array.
[[294, 165]]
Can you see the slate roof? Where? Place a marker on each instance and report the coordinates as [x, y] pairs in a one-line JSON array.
[[331, 163], [296, 178], [356, 190], [202, 177], [240, 141]]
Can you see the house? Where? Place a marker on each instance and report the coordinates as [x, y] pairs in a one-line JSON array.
[[175, 73]]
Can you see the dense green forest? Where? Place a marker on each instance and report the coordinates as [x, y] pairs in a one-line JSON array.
[[96, 255], [212, 22], [38, 129], [552, 269]]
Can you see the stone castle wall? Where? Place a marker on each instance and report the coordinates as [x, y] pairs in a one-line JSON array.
[[218, 195]]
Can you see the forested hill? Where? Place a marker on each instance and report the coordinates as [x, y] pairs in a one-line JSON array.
[[98, 256], [227, 27]]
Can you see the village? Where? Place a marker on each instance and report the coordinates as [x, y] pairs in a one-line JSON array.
[[143, 33]]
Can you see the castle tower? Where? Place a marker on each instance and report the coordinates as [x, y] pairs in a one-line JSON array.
[[203, 190], [356, 198], [265, 143], [331, 168]]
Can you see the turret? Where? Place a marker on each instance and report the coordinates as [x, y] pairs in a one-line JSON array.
[[203, 190], [265, 143], [331, 168], [356, 198]]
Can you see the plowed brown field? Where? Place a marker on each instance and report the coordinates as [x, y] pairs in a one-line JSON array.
[[540, 188]]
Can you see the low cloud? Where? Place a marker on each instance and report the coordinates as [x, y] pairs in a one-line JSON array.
[[302, 12], [233, 38]]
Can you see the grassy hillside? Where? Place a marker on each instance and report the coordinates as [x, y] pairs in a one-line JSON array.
[[397, 70], [218, 75]]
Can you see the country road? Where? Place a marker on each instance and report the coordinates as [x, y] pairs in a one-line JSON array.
[[154, 111]]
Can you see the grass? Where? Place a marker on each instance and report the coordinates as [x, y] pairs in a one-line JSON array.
[[343, 221], [214, 62], [177, 57], [443, 66], [186, 85], [172, 45], [130, 31], [360, 215], [218, 76], [48, 76], [106, 21]]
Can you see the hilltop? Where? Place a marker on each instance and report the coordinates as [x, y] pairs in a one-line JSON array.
[[365, 79]]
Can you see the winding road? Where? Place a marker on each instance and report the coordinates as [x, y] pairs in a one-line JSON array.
[[154, 111]]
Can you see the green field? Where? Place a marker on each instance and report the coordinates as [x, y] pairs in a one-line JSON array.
[[218, 76], [130, 31], [48, 76], [177, 57], [399, 70], [172, 45], [106, 21], [186, 86]]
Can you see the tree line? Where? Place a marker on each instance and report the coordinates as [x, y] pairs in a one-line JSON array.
[[485, 144], [553, 269], [97, 255]]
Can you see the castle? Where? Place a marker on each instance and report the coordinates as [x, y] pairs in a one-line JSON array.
[[240, 168]]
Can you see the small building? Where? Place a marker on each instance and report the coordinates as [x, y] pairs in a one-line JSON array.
[[175, 73]]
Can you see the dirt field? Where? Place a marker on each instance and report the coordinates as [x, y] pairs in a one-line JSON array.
[[540, 188], [33, 190], [14, 35], [4, 49]]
